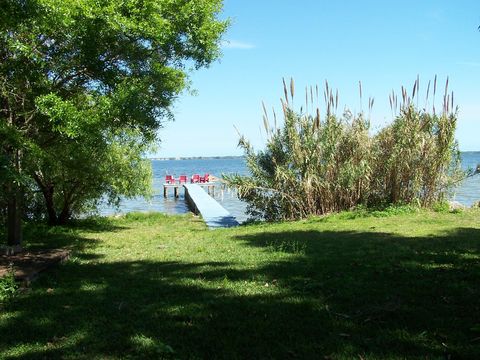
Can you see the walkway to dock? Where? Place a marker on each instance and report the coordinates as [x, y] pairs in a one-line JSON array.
[[214, 215]]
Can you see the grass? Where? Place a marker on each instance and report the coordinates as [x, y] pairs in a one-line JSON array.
[[354, 285]]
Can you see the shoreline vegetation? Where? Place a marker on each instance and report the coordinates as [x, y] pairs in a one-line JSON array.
[[393, 284], [320, 160]]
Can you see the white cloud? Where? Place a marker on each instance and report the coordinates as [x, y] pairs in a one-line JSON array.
[[233, 44]]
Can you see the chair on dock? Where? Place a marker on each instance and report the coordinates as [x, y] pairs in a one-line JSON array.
[[195, 178], [204, 179], [169, 179], [182, 179]]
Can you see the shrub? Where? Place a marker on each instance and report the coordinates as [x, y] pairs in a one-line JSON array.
[[313, 165], [8, 286]]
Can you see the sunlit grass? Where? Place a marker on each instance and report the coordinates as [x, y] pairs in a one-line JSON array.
[[402, 285]]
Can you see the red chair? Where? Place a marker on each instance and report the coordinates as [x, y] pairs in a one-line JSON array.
[[169, 179], [204, 179], [195, 178], [182, 179]]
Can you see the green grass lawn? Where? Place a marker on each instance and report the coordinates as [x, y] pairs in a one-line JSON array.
[[348, 286]]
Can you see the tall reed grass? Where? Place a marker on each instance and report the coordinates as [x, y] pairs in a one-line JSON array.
[[315, 164]]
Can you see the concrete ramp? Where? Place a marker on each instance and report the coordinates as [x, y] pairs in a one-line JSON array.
[[214, 215]]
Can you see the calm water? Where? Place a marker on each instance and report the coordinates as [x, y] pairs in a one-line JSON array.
[[467, 193]]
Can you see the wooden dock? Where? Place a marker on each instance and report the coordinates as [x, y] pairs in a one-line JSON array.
[[177, 186], [214, 215]]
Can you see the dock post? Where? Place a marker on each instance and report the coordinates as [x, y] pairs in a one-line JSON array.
[[175, 191], [164, 191]]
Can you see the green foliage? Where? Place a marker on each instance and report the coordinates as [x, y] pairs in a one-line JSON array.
[[314, 166], [362, 211], [417, 158], [441, 206], [101, 78], [8, 287]]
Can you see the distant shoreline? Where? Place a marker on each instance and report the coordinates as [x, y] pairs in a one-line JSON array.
[[195, 158], [234, 157]]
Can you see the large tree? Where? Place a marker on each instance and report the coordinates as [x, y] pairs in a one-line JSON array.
[[85, 85]]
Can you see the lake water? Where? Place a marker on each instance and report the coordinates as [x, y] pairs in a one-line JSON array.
[[466, 193]]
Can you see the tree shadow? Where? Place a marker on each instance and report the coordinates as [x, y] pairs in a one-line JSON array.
[[95, 224], [39, 236], [419, 290], [336, 294], [123, 302]]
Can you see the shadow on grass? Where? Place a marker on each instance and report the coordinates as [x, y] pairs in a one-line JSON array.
[[96, 224], [416, 296], [41, 236], [339, 295]]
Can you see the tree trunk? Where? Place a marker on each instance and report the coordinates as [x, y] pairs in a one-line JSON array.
[[68, 201], [47, 191], [48, 196], [64, 215], [14, 218], [14, 208]]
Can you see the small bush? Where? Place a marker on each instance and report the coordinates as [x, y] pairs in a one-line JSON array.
[[391, 210], [441, 206], [8, 287]]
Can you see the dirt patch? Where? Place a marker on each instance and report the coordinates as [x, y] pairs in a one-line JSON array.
[[27, 265]]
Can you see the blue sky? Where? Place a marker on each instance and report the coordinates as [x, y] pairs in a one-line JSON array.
[[383, 44]]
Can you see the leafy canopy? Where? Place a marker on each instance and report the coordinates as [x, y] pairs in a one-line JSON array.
[[86, 84]]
